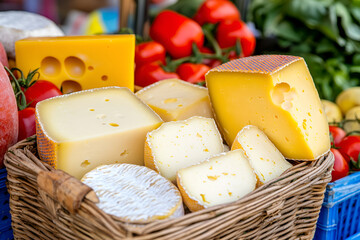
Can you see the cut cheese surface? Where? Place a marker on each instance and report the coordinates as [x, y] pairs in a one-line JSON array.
[[175, 99], [76, 63], [16, 25], [80, 131], [178, 144], [134, 193], [221, 179], [266, 160], [275, 93]]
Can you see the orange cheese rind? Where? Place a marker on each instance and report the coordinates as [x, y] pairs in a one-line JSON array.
[[192, 203]]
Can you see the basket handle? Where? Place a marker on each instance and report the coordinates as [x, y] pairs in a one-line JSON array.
[[65, 189]]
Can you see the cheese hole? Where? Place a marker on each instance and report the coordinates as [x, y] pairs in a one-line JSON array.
[[85, 163], [74, 66], [91, 110], [50, 66], [170, 100], [114, 124], [90, 68], [278, 92], [104, 77], [70, 86]]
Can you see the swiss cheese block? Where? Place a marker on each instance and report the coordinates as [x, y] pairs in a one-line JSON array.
[[266, 160], [175, 99], [134, 193], [16, 25], [221, 179], [80, 131], [179, 144], [275, 93], [80, 62]]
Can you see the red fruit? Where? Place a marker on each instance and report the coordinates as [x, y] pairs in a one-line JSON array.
[[39, 91], [176, 33], [151, 73], [337, 135], [207, 61], [350, 148], [341, 167], [3, 56], [230, 31], [8, 114], [191, 72], [214, 11], [27, 126], [149, 52]]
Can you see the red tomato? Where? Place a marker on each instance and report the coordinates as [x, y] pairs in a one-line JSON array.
[[176, 33], [341, 167], [230, 30], [151, 73], [191, 72], [39, 91], [149, 52], [214, 11], [350, 148], [207, 61], [27, 126], [337, 134], [8, 114]]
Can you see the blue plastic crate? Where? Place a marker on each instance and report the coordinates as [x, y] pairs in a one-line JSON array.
[[339, 217], [5, 217]]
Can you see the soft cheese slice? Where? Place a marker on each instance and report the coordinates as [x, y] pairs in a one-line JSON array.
[[275, 93], [80, 131], [266, 160], [180, 144], [175, 99], [16, 25], [221, 179], [134, 193]]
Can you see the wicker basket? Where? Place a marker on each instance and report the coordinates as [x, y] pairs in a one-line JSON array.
[[285, 208]]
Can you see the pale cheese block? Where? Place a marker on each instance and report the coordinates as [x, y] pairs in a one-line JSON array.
[[80, 131], [179, 144], [266, 160], [16, 25], [275, 93], [175, 99], [134, 193], [221, 179]]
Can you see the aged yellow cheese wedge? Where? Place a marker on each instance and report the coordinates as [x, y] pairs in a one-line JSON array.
[[266, 160], [134, 193], [175, 99], [221, 179], [275, 93], [80, 131], [178, 144]]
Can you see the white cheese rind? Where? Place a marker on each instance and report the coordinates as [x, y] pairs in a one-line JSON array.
[[16, 25], [178, 144], [134, 193]]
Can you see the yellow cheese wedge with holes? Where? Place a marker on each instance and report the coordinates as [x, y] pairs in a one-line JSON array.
[[80, 131], [175, 99], [266, 160], [275, 93], [221, 179], [178, 144]]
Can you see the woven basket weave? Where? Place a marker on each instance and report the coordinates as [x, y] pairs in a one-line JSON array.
[[285, 208]]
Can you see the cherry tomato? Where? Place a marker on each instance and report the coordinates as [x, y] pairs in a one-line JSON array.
[[341, 167], [151, 73], [27, 126], [350, 148], [8, 114], [229, 31], [176, 33], [39, 91], [191, 72], [337, 134], [149, 52], [214, 11]]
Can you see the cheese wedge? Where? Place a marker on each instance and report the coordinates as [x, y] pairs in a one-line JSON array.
[[266, 160], [175, 99], [180, 144], [275, 93], [221, 179], [80, 131], [134, 193]]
